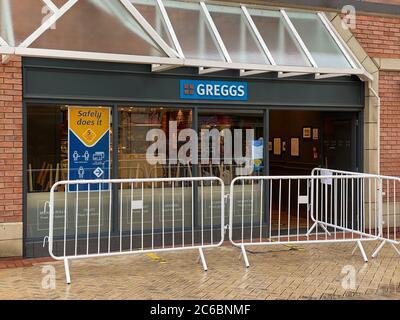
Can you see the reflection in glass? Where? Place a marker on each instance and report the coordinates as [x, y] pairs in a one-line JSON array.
[[135, 123], [192, 30], [99, 26], [227, 167], [279, 39], [237, 35], [152, 13], [317, 39], [20, 18]]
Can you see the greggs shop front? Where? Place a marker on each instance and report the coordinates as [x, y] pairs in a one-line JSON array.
[[62, 97], [94, 103]]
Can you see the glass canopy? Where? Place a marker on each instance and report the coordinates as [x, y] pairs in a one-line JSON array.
[[99, 26], [237, 35], [323, 48], [193, 31], [278, 38], [173, 33]]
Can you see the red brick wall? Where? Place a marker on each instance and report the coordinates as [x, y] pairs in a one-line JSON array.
[[389, 88], [379, 36], [11, 141]]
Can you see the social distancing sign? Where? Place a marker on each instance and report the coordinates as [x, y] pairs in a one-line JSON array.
[[88, 146]]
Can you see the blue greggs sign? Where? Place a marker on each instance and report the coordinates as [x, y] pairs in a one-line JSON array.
[[213, 90]]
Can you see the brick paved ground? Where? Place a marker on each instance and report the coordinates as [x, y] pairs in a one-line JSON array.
[[19, 262], [275, 273]]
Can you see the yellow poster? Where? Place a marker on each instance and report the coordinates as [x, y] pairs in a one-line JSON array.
[[89, 124]]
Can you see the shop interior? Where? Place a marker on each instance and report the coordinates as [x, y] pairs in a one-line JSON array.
[[298, 142]]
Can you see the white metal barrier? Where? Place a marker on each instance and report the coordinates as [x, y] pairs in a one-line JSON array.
[[390, 226], [274, 210], [101, 218], [389, 211]]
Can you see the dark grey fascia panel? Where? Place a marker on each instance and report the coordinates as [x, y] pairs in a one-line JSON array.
[[48, 79]]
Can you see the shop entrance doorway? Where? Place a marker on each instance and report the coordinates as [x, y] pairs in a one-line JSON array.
[[339, 142], [300, 141]]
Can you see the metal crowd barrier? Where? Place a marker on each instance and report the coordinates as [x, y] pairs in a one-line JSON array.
[[101, 218], [390, 210], [318, 209], [389, 207], [153, 215]]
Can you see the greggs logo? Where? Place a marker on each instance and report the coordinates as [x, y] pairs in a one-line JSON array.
[[213, 90]]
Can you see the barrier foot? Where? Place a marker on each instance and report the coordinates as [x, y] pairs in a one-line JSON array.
[[311, 229], [325, 229], [67, 274], [354, 250], [321, 226], [364, 255], [203, 259], [376, 252], [246, 260], [395, 248]]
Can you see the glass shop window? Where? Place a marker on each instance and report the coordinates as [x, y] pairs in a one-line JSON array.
[[47, 163], [134, 126]]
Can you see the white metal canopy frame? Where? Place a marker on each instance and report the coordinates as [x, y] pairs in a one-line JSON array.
[[169, 34]]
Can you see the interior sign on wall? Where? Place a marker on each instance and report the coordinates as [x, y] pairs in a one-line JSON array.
[[213, 90], [258, 154], [88, 146]]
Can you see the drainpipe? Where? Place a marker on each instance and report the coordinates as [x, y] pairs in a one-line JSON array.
[[379, 123]]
